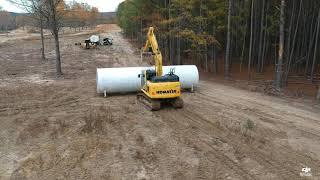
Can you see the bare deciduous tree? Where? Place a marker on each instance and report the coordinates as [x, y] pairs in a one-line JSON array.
[[4, 21], [278, 79], [316, 47], [30, 7], [251, 39], [49, 11], [227, 60], [318, 93]]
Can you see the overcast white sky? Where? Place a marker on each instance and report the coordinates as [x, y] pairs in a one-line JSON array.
[[102, 5]]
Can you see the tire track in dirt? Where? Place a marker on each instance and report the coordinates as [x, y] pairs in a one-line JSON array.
[[284, 167], [216, 153], [289, 155], [273, 105], [174, 120], [264, 117], [272, 118], [233, 139]]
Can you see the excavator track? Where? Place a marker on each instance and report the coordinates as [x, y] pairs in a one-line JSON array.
[[151, 104], [177, 103]]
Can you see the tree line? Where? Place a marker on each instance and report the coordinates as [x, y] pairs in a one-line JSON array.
[[251, 35], [74, 15]]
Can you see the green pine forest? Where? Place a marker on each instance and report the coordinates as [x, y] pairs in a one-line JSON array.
[[228, 37]]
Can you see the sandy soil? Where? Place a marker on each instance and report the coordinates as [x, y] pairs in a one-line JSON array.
[[32, 33], [61, 129]]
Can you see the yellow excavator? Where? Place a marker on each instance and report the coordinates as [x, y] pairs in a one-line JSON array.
[[158, 89]]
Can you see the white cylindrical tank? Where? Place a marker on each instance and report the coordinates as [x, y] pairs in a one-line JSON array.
[[94, 38], [188, 75], [128, 79]]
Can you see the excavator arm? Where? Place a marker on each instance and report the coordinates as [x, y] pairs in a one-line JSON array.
[[152, 46]]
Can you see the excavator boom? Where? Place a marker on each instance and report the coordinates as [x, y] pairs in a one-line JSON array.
[[152, 46]]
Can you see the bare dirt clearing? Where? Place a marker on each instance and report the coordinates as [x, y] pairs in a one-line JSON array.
[[61, 129]]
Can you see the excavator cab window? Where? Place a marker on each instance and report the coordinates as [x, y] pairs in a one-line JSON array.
[[150, 50]]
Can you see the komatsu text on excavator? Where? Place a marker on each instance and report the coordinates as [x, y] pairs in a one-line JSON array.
[[158, 89]]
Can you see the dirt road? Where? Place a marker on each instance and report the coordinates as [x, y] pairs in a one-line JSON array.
[[61, 129]]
